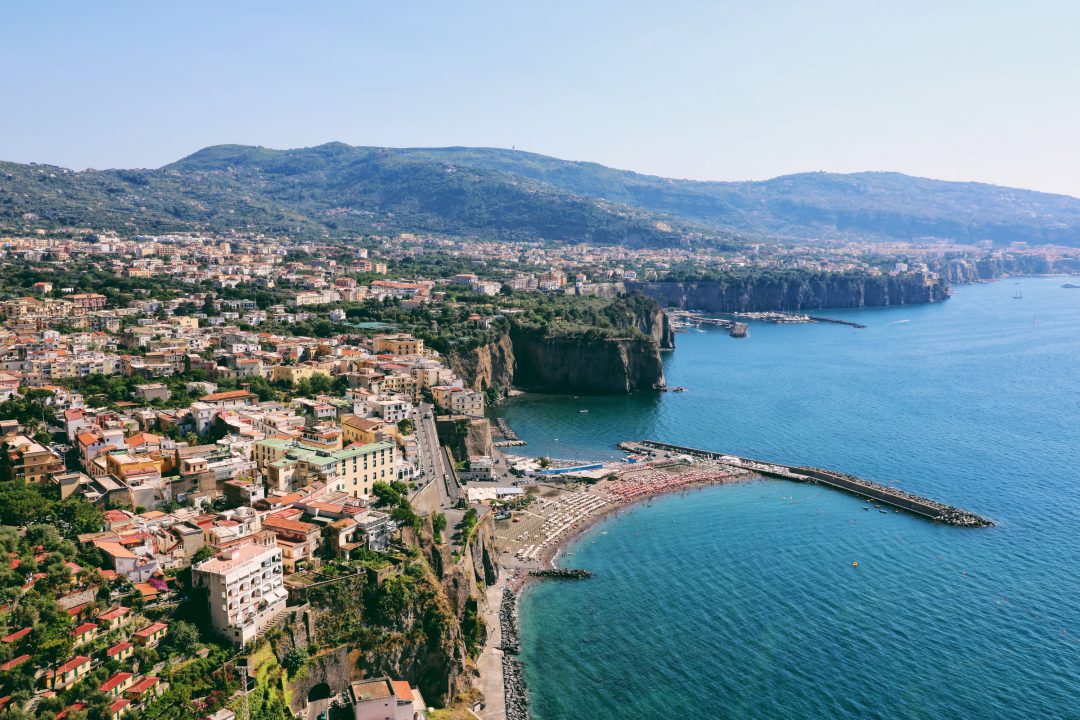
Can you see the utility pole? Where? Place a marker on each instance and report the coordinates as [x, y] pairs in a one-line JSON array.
[[241, 670]]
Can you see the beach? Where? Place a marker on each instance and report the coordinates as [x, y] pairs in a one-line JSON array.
[[564, 513]]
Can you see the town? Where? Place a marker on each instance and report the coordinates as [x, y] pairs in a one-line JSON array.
[[208, 442]]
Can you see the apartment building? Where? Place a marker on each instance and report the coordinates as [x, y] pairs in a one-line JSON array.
[[245, 589]]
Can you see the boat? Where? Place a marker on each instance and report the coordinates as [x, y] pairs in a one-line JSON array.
[[678, 388], [583, 411], [884, 511], [1071, 286]]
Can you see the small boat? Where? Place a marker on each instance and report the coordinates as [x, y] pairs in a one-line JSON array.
[[583, 411], [884, 511], [866, 508], [855, 564], [678, 388]]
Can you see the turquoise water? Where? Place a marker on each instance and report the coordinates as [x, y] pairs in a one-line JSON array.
[[742, 602]]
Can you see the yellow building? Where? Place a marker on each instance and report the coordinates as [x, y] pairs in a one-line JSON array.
[[294, 374], [364, 430], [398, 344]]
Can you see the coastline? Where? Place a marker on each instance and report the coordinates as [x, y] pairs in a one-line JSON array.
[[503, 686]]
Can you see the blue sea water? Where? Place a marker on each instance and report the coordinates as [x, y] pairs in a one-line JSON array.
[[742, 601]]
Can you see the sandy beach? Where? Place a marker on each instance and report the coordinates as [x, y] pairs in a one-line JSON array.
[[559, 515]]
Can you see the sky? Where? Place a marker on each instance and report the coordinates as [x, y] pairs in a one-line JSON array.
[[720, 90]]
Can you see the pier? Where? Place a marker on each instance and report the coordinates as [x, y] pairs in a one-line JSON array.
[[875, 492]]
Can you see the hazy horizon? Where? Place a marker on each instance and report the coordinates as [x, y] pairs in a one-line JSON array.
[[701, 91]]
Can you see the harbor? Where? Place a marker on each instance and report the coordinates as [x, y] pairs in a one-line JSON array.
[[865, 489]]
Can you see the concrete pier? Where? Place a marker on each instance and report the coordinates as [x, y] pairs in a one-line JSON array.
[[874, 492]]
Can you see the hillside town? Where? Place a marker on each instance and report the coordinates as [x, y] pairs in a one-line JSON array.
[[202, 438], [245, 458]]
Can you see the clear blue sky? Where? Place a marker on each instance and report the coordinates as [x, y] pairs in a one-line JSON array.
[[979, 90]]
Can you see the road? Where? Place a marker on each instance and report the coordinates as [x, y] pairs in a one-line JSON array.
[[434, 460]]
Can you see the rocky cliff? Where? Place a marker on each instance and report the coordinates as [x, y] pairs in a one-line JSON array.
[[791, 292], [486, 366], [965, 270], [549, 360], [554, 363]]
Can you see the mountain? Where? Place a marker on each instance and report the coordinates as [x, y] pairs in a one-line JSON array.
[[815, 205], [337, 189], [331, 189]]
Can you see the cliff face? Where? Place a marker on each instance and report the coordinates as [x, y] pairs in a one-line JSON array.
[[965, 270], [533, 359], [486, 366], [753, 294], [570, 364], [656, 325]]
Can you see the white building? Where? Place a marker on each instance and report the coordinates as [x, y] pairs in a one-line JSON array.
[[245, 589], [386, 699]]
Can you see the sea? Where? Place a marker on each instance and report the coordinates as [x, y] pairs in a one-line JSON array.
[[744, 601]]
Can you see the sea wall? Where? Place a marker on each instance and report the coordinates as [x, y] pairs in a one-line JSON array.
[[757, 293]]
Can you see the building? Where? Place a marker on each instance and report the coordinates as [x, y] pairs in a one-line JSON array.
[[91, 301], [398, 344], [245, 589], [69, 673], [149, 392], [31, 461], [151, 635], [458, 400], [353, 470], [386, 699]]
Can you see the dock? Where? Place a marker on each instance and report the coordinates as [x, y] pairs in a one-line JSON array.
[[865, 489], [509, 437]]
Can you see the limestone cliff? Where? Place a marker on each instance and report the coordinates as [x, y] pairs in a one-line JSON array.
[[486, 366], [554, 363], [548, 359], [977, 269], [803, 291]]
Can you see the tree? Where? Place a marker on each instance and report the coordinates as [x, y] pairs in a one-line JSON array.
[[294, 660], [202, 554], [183, 638]]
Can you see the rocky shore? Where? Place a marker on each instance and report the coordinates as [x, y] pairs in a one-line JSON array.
[[515, 694], [561, 573]]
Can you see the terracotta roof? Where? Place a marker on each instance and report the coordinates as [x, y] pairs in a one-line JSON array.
[[151, 629], [14, 663], [17, 635], [143, 685], [72, 664], [230, 395], [113, 614], [84, 628], [73, 706], [114, 549], [118, 648], [401, 689], [115, 681]]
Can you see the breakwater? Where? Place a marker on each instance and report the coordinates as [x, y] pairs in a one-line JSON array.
[[562, 573], [514, 692], [893, 497]]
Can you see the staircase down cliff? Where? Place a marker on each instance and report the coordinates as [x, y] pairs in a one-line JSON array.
[[802, 291]]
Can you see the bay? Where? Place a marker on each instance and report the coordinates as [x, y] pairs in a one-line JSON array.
[[742, 601]]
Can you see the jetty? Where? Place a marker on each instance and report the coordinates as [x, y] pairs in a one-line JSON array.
[[561, 573], [865, 489], [510, 438]]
